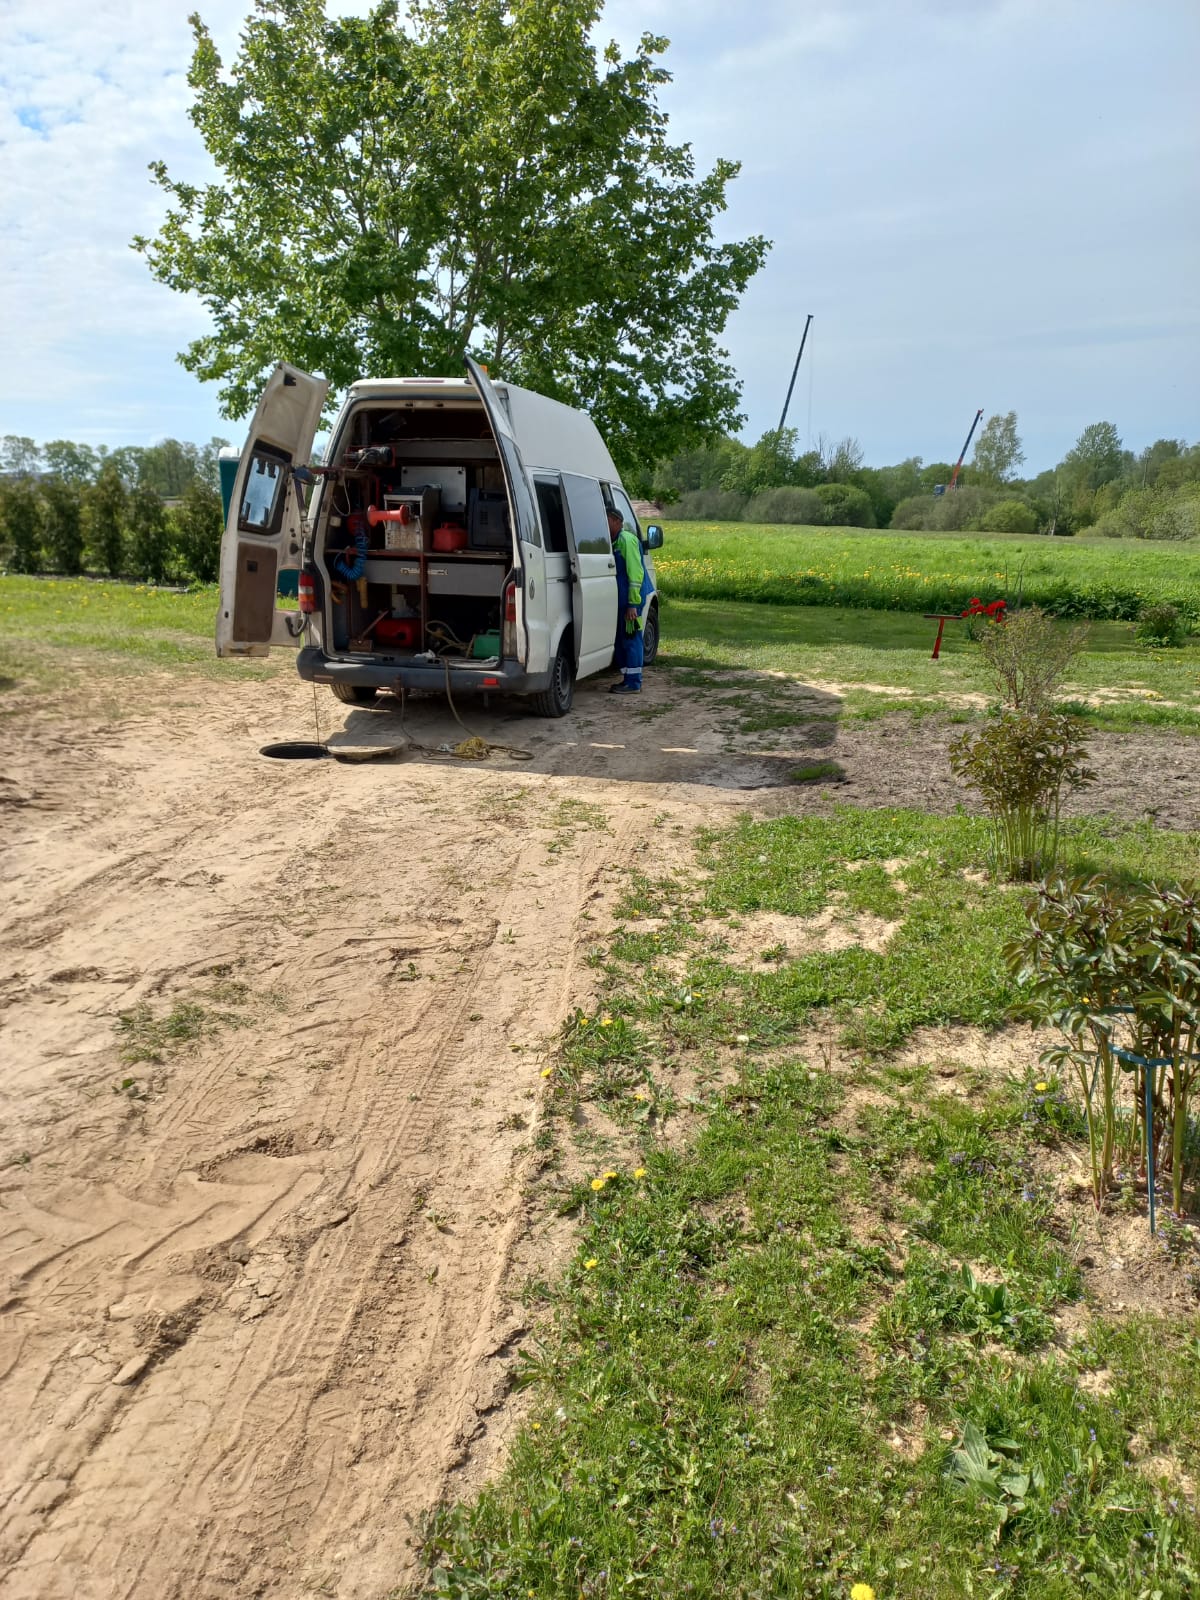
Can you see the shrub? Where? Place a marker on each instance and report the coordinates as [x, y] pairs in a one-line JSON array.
[[845, 505], [708, 505], [105, 520], [802, 506], [199, 523], [1023, 765], [1153, 514], [1029, 657], [21, 523], [149, 535], [1114, 966], [946, 513], [64, 525], [1160, 626], [1009, 516]]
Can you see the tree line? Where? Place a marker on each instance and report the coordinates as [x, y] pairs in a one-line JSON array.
[[1099, 486], [68, 508]]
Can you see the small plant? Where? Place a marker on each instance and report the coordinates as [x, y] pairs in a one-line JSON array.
[[1117, 969], [1023, 765], [1160, 627], [992, 1468], [818, 772], [1029, 656]]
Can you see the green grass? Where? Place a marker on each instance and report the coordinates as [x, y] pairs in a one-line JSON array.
[[54, 628], [882, 571], [863, 652], [816, 1346]]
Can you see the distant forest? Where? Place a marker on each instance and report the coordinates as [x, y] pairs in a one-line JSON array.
[[1098, 487]]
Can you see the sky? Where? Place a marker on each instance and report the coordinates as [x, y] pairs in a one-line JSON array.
[[986, 203]]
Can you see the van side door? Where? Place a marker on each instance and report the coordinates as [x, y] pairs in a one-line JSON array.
[[262, 532], [593, 574]]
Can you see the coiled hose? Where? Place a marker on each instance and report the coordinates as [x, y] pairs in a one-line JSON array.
[[353, 568]]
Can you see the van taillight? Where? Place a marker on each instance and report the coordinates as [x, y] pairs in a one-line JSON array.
[[510, 603], [308, 593]]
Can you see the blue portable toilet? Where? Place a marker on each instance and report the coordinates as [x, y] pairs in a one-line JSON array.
[[228, 462]]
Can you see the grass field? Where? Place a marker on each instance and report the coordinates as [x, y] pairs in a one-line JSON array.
[[822, 1345], [880, 571]]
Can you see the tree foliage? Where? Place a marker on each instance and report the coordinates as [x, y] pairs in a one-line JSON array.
[[105, 520], [476, 178], [1095, 458], [998, 450]]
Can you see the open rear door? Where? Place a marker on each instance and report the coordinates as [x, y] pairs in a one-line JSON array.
[[262, 532], [532, 591]]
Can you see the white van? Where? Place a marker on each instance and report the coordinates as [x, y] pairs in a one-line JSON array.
[[456, 535]]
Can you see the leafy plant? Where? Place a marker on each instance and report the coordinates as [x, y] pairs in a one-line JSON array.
[[1023, 765], [1117, 969], [1160, 626], [992, 1468], [1029, 657]]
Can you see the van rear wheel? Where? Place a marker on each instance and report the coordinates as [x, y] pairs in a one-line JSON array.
[[555, 701], [353, 694]]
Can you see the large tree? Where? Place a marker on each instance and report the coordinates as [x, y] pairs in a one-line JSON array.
[[1095, 458], [475, 177], [998, 451]]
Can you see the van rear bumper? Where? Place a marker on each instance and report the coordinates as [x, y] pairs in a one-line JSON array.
[[314, 666]]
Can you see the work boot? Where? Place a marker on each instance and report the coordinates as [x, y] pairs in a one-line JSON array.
[[626, 687]]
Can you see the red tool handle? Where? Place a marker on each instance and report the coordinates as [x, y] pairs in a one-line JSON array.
[[404, 516]]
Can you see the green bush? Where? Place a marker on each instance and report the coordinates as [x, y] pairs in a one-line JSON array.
[[21, 525], [804, 507], [199, 523], [947, 513], [708, 505], [845, 505], [1009, 516], [105, 521], [1153, 514], [1160, 626], [149, 534], [63, 501]]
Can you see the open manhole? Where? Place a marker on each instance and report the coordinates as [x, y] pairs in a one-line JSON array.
[[295, 750]]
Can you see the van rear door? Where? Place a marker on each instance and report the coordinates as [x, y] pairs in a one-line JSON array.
[[533, 612], [262, 531], [593, 573]]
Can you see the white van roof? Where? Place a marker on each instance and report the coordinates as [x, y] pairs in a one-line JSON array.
[[551, 436]]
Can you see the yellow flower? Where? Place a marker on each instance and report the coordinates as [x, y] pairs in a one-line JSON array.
[[590, 1264], [606, 1021], [598, 1184], [862, 1591], [1041, 1087], [546, 1071], [608, 1175], [639, 1172]]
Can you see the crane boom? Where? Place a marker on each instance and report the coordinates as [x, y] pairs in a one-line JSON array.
[[965, 448]]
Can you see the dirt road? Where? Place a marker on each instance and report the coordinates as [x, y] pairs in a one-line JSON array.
[[259, 1299], [259, 1296]]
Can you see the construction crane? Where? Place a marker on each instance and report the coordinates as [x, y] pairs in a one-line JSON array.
[[958, 464], [795, 370]]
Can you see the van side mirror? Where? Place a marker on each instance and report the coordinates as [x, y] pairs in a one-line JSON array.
[[654, 536]]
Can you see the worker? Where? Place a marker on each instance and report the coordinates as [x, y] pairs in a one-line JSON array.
[[631, 575]]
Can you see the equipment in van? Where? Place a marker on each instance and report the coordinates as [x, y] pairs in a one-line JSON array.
[[450, 536], [487, 520]]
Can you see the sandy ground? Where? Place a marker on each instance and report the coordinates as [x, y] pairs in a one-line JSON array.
[[259, 1301]]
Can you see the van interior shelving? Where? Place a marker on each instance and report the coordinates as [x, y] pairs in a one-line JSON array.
[[414, 535]]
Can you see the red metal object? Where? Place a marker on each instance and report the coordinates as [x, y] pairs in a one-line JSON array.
[[399, 630], [449, 537], [307, 590], [963, 451], [941, 618]]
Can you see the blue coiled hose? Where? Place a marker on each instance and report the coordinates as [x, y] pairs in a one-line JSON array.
[[353, 569]]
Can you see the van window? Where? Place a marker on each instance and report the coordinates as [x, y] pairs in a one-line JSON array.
[[589, 524], [621, 500], [261, 507], [554, 524]]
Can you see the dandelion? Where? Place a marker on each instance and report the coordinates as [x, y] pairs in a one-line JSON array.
[[598, 1184], [862, 1591], [590, 1264], [546, 1071], [639, 1172], [1041, 1087], [608, 1175], [606, 1021]]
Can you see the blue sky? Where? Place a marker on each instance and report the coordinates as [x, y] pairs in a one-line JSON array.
[[983, 204]]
